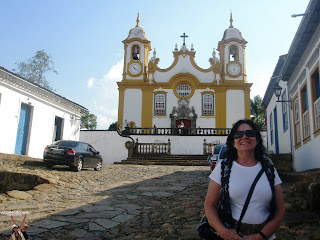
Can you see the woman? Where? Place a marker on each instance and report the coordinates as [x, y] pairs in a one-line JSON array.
[[16, 233], [19, 233], [245, 158]]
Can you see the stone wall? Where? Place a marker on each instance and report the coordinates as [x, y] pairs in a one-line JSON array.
[[19, 181]]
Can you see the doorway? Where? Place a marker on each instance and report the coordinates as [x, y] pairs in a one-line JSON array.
[[186, 123], [23, 129], [58, 127], [276, 138]]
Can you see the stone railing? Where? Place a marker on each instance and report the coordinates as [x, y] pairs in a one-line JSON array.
[[152, 148], [176, 131]]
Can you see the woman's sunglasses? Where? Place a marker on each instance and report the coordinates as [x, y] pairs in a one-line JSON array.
[[248, 133]]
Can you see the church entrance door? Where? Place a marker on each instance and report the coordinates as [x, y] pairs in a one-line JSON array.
[[186, 123]]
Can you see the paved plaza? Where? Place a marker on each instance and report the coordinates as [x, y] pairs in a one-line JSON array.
[[119, 202]]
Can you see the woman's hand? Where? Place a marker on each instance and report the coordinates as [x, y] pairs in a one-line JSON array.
[[230, 234]]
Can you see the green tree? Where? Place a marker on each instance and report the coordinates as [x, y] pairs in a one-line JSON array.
[[113, 126], [35, 68], [257, 113], [89, 121]]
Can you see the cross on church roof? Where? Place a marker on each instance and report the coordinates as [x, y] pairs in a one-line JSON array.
[[184, 36]]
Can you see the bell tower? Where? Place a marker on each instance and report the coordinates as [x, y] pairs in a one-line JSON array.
[[232, 51], [136, 54]]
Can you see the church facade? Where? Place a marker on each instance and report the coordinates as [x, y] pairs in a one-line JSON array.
[[183, 93]]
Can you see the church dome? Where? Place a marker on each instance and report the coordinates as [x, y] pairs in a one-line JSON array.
[[232, 32], [137, 32]]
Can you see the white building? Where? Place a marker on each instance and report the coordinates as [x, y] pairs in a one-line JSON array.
[[294, 123], [33, 117]]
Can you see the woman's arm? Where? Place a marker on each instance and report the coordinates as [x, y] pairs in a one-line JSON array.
[[272, 226], [22, 223], [210, 206], [13, 221]]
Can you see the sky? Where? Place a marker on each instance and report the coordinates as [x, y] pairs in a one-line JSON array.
[[84, 39]]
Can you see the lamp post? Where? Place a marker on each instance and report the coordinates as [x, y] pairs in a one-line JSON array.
[[277, 91]]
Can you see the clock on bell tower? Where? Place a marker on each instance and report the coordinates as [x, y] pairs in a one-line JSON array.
[[232, 50], [136, 54]]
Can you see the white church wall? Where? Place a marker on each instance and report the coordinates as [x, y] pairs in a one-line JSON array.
[[42, 121], [204, 122], [110, 145], [184, 66], [196, 101], [132, 109], [236, 111], [163, 122]]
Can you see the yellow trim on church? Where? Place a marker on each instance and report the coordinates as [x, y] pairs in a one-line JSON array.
[[121, 105], [221, 107], [247, 102], [147, 108]]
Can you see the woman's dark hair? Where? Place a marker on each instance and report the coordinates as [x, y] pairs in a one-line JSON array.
[[259, 150]]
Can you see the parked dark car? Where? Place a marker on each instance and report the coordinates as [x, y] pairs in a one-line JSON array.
[[222, 153], [75, 154], [218, 154]]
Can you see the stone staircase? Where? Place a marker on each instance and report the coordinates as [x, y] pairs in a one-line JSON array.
[[178, 160], [282, 162]]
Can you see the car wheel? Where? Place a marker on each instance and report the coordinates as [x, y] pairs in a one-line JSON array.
[[48, 165], [99, 166], [79, 165]]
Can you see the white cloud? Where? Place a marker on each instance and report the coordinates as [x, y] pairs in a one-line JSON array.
[[90, 82], [115, 72], [104, 122], [260, 84], [105, 96]]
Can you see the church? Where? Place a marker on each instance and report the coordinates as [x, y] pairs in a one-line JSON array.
[[184, 93]]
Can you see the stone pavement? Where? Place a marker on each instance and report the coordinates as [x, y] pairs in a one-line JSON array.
[[121, 202]]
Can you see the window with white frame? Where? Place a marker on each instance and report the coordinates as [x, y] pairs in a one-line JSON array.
[[305, 112], [183, 90], [284, 111], [317, 114], [296, 121], [271, 128], [315, 91], [160, 104], [208, 104]]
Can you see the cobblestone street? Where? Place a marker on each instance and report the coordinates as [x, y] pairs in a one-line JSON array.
[[125, 202]]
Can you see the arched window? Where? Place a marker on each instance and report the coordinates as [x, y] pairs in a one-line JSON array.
[[233, 56], [135, 52]]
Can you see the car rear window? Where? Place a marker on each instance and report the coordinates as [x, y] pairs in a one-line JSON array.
[[66, 144], [217, 149], [223, 152]]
